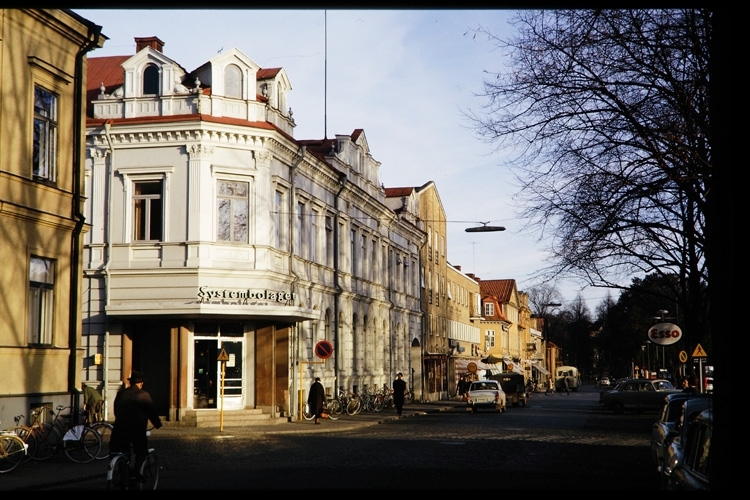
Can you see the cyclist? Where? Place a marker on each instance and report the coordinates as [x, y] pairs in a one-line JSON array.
[[133, 410]]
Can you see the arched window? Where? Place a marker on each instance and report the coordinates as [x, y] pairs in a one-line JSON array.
[[233, 81], [151, 80]]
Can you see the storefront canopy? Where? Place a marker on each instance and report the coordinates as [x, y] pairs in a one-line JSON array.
[[462, 367], [539, 367]]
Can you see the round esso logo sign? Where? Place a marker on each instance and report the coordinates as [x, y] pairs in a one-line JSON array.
[[664, 333]]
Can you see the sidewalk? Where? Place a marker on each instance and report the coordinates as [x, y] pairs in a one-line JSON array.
[[59, 470]]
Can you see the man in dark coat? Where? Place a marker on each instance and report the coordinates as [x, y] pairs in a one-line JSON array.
[[133, 410], [399, 389], [317, 398]]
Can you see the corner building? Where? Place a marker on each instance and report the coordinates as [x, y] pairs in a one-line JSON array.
[[214, 231]]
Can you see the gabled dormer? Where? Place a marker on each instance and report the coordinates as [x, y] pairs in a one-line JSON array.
[[231, 74], [149, 73]]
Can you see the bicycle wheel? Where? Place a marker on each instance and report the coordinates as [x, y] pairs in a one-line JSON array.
[[12, 452], [408, 398], [306, 413], [47, 438], [334, 409], [379, 402], [354, 406], [149, 472], [104, 429], [82, 448], [29, 437], [117, 474]]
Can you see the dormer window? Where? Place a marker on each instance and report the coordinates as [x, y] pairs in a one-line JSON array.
[[151, 80], [233, 81]]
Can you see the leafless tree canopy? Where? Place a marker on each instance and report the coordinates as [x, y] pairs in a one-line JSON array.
[[609, 110]]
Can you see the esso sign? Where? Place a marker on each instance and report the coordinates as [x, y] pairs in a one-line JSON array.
[[664, 333]]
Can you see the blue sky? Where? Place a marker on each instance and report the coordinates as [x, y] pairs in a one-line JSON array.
[[403, 76]]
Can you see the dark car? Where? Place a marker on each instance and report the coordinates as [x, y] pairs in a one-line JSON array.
[[679, 438], [663, 430], [514, 386], [691, 472], [637, 394]]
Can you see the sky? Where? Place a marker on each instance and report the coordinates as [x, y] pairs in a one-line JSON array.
[[405, 77]]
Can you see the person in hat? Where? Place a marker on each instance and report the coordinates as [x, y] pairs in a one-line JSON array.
[[133, 410], [399, 390], [317, 398], [92, 403]]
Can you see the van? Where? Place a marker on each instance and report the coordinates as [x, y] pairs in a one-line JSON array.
[[573, 379], [514, 387]]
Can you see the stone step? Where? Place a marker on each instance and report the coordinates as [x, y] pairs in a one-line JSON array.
[[232, 418]]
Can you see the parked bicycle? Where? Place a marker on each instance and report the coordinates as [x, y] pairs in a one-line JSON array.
[[104, 429], [12, 451], [332, 405], [79, 442], [123, 475]]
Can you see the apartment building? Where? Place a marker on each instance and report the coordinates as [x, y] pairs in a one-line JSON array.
[[43, 57], [222, 250]]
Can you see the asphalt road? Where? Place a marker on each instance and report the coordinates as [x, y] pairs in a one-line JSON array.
[[555, 442]]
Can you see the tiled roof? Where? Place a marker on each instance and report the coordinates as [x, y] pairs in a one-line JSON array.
[[500, 289]]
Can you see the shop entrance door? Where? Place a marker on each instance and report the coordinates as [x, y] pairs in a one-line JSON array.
[[207, 373]]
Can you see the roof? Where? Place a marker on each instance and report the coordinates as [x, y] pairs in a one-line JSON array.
[[502, 290], [398, 192]]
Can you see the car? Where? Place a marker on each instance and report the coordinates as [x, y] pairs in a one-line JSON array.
[[485, 394], [603, 382], [514, 387], [638, 395], [692, 472], [679, 438], [662, 431]]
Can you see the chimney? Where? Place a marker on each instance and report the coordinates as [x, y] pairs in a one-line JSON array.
[[149, 41]]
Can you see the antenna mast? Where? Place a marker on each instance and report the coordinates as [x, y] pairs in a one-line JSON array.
[[325, 77]]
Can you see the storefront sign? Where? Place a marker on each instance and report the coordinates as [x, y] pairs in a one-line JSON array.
[[243, 297]]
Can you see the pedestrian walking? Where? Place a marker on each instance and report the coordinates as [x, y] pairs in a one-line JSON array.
[[316, 399], [399, 389], [92, 403], [566, 385]]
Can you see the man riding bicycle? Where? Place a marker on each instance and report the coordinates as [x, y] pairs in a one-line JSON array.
[[133, 410]]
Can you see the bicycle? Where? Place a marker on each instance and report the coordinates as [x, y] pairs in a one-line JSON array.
[[332, 405], [104, 429], [28, 436], [12, 451], [121, 474], [80, 443], [36, 435]]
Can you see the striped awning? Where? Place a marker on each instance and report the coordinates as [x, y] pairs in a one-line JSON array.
[[539, 367], [462, 367]]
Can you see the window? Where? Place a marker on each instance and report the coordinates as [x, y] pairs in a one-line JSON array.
[[147, 211], [353, 251], [41, 295], [277, 219], [151, 80], [489, 309], [328, 251], [314, 235], [233, 81], [232, 209], [489, 339], [45, 135], [300, 229]]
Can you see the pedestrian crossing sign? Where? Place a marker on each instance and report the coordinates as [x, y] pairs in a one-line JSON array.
[[699, 352], [223, 356]]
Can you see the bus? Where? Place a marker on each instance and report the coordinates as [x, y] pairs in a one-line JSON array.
[[567, 371]]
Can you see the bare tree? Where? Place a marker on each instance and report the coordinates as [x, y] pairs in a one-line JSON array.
[[608, 113]]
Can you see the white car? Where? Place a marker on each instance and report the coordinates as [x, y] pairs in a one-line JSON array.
[[485, 394]]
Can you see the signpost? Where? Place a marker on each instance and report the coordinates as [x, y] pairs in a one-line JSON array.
[[700, 355], [223, 358], [323, 350]]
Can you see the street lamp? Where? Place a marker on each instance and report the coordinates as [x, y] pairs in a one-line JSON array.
[[484, 228]]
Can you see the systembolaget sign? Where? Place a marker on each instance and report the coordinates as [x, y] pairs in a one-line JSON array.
[[243, 297]]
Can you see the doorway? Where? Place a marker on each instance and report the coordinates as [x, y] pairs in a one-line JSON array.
[[208, 342]]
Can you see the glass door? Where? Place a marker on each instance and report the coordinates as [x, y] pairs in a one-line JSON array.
[[209, 340]]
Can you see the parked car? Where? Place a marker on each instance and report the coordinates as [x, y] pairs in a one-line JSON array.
[[663, 430], [603, 382], [514, 387], [638, 395], [679, 439], [487, 394], [691, 473]]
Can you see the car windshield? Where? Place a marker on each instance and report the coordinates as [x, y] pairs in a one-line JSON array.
[[482, 386]]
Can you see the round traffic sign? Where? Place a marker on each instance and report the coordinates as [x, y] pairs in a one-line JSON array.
[[683, 357], [323, 349], [471, 367]]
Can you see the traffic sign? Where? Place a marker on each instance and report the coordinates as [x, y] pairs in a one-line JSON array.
[[223, 356], [699, 352], [323, 349], [683, 357], [471, 367]]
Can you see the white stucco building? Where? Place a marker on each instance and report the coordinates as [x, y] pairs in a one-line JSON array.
[[212, 229]]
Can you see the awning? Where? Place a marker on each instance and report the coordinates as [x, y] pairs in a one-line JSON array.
[[539, 367], [462, 364]]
